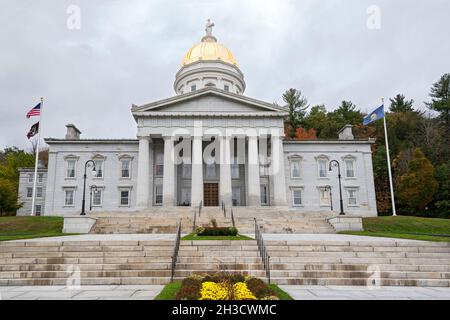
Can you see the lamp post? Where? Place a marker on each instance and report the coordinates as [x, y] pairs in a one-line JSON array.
[[335, 163], [83, 213], [331, 196]]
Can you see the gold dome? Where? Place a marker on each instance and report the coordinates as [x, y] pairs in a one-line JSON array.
[[209, 50]]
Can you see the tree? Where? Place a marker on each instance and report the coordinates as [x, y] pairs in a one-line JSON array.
[[347, 113], [418, 185], [440, 99], [297, 105], [8, 197], [400, 104], [442, 196]]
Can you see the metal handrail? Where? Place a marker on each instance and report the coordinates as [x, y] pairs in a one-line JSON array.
[[232, 218], [224, 209], [262, 250], [176, 248], [200, 206], [194, 226]]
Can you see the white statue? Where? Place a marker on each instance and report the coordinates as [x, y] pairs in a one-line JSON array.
[[208, 28]]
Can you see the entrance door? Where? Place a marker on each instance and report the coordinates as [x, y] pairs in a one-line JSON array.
[[211, 194]]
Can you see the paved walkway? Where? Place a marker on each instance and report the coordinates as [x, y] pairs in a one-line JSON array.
[[365, 293], [114, 292], [105, 237], [149, 293]]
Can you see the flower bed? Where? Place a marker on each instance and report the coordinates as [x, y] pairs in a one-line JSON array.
[[224, 286], [216, 231]]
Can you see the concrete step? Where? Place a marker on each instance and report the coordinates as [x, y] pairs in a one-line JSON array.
[[361, 282]]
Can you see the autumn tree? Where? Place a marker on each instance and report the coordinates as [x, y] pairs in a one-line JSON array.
[[418, 185], [297, 105]]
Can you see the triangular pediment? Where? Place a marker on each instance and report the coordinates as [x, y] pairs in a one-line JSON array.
[[208, 100]]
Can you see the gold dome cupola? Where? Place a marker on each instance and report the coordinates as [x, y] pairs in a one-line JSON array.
[[209, 64]]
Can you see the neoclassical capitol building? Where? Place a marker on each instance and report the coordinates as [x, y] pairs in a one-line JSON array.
[[207, 144]]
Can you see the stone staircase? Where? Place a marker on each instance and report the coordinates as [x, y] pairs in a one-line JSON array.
[[306, 262], [385, 263], [164, 220]]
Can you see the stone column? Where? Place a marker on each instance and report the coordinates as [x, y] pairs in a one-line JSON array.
[[278, 172], [197, 170], [169, 173], [143, 178], [225, 171], [254, 188]]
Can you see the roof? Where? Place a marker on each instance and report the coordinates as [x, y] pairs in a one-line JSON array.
[[91, 141]]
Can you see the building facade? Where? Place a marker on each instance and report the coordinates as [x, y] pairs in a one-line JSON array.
[[209, 144]]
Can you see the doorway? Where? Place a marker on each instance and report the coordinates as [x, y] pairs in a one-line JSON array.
[[211, 194]]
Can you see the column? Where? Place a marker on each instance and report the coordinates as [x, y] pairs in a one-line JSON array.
[[169, 173], [254, 188], [197, 170], [225, 171], [278, 172], [143, 178]]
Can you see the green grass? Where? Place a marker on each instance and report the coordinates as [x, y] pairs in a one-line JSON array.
[[193, 236], [416, 228], [14, 228], [170, 291]]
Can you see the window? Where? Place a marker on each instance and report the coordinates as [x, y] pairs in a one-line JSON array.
[[185, 197], [295, 169], [193, 87], [296, 197], [349, 168], [39, 192], [38, 209], [158, 194], [211, 170], [40, 177], [264, 194], [324, 196], [69, 197], [352, 197], [29, 192], [159, 165], [226, 88], [186, 171], [322, 163], [236, 196], [235, 169], [30, 177], [125, 172], [97, 198], [99, 168], [71, 168], [124, 198]]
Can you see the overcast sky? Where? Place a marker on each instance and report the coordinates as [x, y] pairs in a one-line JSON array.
[[128, 52]]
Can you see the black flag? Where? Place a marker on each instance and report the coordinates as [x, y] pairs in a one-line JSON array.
[[33, 130]]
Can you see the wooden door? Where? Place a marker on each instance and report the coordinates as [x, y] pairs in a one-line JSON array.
[[211, 194]]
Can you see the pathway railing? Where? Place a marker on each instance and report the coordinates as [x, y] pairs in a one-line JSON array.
[[176, 248], [232, 218], [224, 209], [194, 224], [262, 250]]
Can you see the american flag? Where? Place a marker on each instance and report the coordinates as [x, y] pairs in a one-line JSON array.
[[36, 111]]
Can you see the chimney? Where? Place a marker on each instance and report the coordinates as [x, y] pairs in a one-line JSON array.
[[346, 133], [72, 132]]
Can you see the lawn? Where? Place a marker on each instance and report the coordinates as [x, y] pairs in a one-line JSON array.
[[13, 228], [193, 236], [429, 229]]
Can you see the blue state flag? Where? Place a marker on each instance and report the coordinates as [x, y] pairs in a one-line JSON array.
[[377, 114]]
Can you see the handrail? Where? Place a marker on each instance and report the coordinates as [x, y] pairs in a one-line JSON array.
[[232, 218], [200, 206], [224, 209], [194, 226], [176, 248], [262, 250]]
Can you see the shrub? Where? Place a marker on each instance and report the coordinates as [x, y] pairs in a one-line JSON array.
[[259, 288], [190, 289], [241, 292], [217, 231], [224, 277], [214, 291]]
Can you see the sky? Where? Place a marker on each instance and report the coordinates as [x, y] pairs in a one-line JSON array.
[[91, 60]]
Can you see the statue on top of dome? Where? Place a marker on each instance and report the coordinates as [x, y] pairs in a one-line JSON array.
[[208, 28]]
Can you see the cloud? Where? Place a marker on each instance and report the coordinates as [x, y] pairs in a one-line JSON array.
[[129, 51]]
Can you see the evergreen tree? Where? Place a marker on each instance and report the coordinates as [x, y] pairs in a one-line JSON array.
[[418, 185], [400, 104], [347, 113], [297, 104], [440, 99], [442, 196]]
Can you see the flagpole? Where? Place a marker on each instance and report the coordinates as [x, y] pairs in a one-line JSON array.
[[37, 158], [394, 211]]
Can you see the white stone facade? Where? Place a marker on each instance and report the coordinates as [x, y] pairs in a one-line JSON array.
[[26, 176]]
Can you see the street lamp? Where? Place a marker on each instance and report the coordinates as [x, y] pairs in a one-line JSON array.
[[335, 163], [83, 213], [331, 196]]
